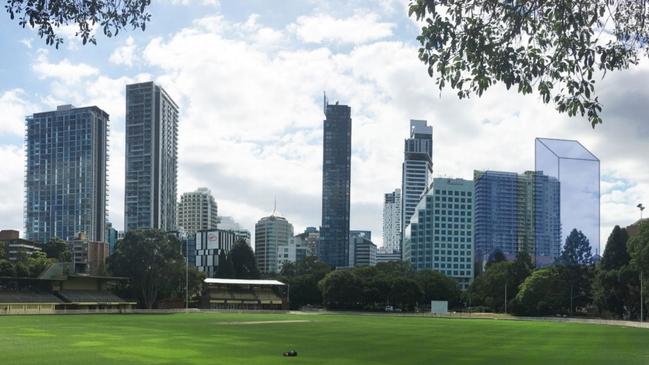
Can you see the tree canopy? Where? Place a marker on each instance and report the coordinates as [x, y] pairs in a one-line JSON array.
[[49, 16], [152, 261], [557, 49], [576, 251]]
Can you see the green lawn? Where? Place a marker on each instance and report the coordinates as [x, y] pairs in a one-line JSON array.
[[215, 338]]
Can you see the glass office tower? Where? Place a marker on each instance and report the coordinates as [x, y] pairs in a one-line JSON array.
[[336, 176], [151, 158], [440, 233], [65, 180], [578, 172]]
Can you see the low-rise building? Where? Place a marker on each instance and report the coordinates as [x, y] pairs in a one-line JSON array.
[[88, 257], [15, 247], [362, 251]]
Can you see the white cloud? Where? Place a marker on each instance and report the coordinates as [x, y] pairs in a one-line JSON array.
[[357, 29], [126, 54], [64, 71], [12, 182], [14, 109]]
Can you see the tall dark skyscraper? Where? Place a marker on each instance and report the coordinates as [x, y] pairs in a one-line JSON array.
[[151, 158], [65, 180], [336, 179]]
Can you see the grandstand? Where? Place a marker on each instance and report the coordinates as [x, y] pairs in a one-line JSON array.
[[56, 289], [244, 294]]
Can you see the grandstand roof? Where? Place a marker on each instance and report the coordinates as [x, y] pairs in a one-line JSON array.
[[242, 281]]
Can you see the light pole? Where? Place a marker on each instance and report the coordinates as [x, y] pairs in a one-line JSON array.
[[186, 275], [641, 299], [505, 297], [641, 207]]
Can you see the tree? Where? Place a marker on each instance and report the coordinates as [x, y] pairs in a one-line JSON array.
[[37, 263], [7, 268], [616, 254], [152, 261], [576, 251], [244, 265], [558, 48], [437, 286], [340, 290], [638, 247], [302, 278], [225, 268], [22, 270], [542, 293], [58, 249], [49, 16], [3, 250], [612, 284], [495, 257], [488, 289], [405, 292]]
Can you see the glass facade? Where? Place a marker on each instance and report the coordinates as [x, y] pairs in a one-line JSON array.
[[151, 158], [516, 212], [336, 175], [440, 233], [578, 172], [65, 179], [271, 233], [392, 221], [417, 169]]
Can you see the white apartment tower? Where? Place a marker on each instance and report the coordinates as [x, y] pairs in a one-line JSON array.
[[417, 171], [197, 211], [392, 222]]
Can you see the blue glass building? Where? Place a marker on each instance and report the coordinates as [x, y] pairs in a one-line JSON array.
[[336, 175], [65, 179], [578, 171], [517, 212]]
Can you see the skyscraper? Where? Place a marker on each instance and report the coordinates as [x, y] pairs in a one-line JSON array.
[[440, 233], [336, 175], [578, 171], [271, 233], [197, 210], [392, 222], [151, 158], [65, 180], [417, 169], [515, 213]]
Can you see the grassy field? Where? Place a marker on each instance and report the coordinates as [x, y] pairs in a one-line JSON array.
[[219, 338]]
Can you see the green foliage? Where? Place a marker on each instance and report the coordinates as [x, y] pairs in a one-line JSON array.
[[57, 249], [615, 254], [405, 293], [3, 250], [242, 259], [225, 269], [49, 16], [340, 290], [7, 268], [22, 270], [437, 286], [576, 250], [37, 263], [557, 48], [152, 261], [542, 293], [638, 247], [488, 289], [302, 278]]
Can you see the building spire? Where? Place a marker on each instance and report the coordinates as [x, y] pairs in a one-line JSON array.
[[274, 205]]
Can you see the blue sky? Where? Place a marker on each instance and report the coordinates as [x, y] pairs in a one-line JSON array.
[[249, 77]]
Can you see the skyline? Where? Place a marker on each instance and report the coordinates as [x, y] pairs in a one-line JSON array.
[[275, 135]]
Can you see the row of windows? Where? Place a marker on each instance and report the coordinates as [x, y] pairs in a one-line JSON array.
[[455, 193]]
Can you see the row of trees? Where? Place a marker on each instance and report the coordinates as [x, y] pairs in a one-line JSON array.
[[574, 285]]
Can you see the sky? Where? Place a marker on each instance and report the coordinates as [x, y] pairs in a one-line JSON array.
[[249, 77]]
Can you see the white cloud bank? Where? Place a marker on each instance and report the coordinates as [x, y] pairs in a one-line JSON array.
[[357, 29]]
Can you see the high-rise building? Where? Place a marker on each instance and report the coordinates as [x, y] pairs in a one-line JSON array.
[[310, 239], [362, 251], [440, 233], [336, 180], [210, 247], [151, 158], [295, 250], [111, 237], [517, 212], [197, 211], [392, 222], [578, 172], [417, 168], [270, 233], [65, 180]]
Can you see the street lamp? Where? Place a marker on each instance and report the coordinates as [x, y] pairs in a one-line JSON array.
[[641, 207]]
